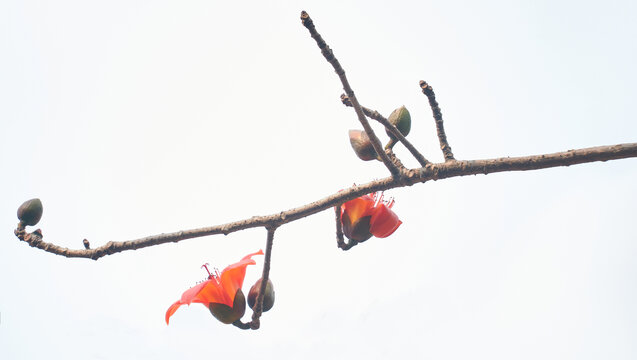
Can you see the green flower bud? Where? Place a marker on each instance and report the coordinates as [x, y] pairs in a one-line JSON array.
[[227, 314], [401, 119], [268, 298], [30, 212], [362, 145]]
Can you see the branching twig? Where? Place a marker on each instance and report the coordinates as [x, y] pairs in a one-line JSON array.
[[435, 108], [373, 114], [329, 56], [421, 175]]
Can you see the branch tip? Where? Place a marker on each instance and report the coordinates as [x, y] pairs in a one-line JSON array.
[[437, 113], [328, 54]]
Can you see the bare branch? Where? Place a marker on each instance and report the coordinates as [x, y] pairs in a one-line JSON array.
[[430, 172], [435, 108], [258, 306], [373, 114], [329, 56]]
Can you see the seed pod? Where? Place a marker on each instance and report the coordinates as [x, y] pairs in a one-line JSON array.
[[227, 314], [362, 145], [268, 298], [30, 212]]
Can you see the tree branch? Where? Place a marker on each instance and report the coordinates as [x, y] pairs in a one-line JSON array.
[[440, 129], [329, 56], [258, 307], [432, 171]]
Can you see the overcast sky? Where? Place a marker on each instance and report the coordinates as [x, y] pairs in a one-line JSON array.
[[132, 118]]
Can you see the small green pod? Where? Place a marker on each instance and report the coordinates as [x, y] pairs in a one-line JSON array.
[[30, 212], [268, 298]]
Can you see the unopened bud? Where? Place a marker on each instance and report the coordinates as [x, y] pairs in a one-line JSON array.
[[30, 212], [362, 145], [401, 119], [268, 298], [227, 314]]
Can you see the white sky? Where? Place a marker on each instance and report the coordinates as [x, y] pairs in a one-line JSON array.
[[132, 118]]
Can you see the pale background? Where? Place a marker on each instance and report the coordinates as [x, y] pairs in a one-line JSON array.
[[132, 118]]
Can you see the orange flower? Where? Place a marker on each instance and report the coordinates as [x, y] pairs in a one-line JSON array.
[[218, 289], [368, 215]]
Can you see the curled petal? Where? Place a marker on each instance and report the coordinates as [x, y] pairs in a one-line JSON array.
[[171, 310], [232, 277], [384, 221]]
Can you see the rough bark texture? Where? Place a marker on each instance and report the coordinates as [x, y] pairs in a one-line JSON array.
[[432, 171]]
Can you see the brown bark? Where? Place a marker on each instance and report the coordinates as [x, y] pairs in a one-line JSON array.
[[448, 169]]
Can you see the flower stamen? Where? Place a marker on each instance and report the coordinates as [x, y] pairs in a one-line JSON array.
[[205, 266], [212, 275]]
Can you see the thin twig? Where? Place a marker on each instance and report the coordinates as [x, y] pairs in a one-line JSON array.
[[241, 325], [373, 114], [435, 108], [329, 56], [429, 172], [340, 240], [258, 307]]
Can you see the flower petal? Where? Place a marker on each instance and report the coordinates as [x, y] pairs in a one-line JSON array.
[[384, 221], [357, 208], [206, 292], [172, 309], [212, 291], [232, 276]]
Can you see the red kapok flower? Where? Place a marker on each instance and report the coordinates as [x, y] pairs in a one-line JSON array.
[[368, 215], [219, 289]]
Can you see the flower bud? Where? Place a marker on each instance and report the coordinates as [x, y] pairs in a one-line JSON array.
[[227, 314], [401, 119], [30, 212], [362, 145], [268, 298]]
